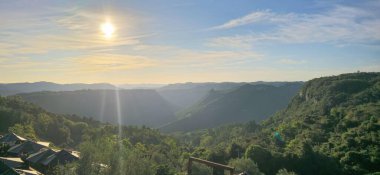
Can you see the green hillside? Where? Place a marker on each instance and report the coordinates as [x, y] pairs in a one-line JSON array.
[[245, 103], [338, 117], [99, 144], [332, 126], [137, 107], [35, 123]]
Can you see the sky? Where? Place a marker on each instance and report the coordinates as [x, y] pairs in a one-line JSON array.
[[172, 41]]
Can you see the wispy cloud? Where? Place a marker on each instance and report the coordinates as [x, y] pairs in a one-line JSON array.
[[342, 24], [60, 30], [253, 17]]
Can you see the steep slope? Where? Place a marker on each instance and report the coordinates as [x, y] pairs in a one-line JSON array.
[[15, 88], [247, 102], [330, 127], [137, 107], [337, 117]]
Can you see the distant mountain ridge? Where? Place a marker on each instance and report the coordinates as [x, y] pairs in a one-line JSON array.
[[16, 88], [245, 103], [183, 95], [137, 107], [153, 107]]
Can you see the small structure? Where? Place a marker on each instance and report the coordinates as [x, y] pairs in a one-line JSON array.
[[12, 162], [40, 156], [61, 157], [208, 163], [6, 170], [12, 139], [26, 148], [15, 166]]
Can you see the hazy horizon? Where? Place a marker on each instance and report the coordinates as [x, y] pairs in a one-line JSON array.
[[153, 84], [183, 82]]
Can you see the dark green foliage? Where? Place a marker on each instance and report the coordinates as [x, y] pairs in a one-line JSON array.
[[331, 126], [35, 123], [245, 165], [164, 170]]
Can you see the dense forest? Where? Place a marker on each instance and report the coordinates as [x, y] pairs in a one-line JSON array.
[[331, 126]]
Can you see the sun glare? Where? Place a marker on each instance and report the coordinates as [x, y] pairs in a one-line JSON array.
[[107, 29]]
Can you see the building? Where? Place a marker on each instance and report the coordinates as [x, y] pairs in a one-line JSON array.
[[13, 162], [26, 148], [61, 157], [15, 166], [12, 139], [35, 160]]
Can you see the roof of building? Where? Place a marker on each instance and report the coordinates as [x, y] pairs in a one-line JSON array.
[[46, 144], [60, 157], [27, 172], [40, 156], [6, 170], [11, 137], [28, 147], [12, 162]]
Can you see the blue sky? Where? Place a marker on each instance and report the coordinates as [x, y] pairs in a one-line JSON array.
[[172, 41]]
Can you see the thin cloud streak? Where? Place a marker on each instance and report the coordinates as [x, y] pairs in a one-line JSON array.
[[253, 17], [349, 25]]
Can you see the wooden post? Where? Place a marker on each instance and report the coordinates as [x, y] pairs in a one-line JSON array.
[[189, 164]]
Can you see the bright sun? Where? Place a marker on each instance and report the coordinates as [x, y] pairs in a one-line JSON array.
[[107, 29]]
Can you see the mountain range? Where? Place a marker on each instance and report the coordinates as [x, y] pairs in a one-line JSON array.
[[242, 104], [169, 107], [127, 107], [16, 88]]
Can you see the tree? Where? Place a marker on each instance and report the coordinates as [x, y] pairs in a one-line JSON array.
[[285, 172], [245, 165]]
